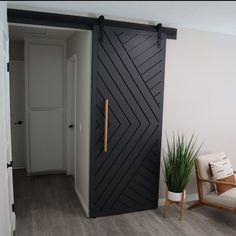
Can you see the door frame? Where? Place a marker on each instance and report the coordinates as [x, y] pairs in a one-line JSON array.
[[71, 81]]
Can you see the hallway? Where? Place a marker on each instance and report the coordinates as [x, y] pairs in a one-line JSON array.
[[46, 205]]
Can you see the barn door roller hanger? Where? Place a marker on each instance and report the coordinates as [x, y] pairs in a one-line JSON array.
[[101, 20]]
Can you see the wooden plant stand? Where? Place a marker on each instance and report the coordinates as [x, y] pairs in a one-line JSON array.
[[179, 203]]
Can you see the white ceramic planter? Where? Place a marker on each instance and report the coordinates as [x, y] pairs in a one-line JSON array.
[[176, 197]]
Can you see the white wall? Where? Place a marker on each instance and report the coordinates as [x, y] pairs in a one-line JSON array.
[[81, 45], [200, 91]]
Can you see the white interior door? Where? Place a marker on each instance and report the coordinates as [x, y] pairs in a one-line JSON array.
[[45, 103], [71, 114], [7, 216], [17, 95]]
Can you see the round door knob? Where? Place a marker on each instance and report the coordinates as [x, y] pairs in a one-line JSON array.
[[18, 122]]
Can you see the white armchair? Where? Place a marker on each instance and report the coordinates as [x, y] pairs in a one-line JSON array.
[[206, 192]]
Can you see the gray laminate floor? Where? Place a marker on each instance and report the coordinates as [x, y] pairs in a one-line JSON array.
[[47, 205]]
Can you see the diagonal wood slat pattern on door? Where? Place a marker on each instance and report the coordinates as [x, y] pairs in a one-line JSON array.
[[130, 73]]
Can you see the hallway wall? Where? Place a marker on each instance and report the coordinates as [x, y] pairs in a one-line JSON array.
[[81, 44], [16, 50]]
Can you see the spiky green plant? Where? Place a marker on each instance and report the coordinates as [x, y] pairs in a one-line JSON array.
[[179, 161]]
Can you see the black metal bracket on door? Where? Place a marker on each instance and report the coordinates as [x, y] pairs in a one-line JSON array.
[[101, 21], [77, 22], [8, 67], [159, 34], [10, 164]]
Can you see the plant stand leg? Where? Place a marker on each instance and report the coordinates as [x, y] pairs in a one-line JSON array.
[[182, 206], [166, 205]]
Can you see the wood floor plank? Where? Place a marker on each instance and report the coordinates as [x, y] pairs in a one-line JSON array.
[[48, 206]]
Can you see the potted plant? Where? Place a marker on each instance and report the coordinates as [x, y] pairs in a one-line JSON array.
[[178, 165]]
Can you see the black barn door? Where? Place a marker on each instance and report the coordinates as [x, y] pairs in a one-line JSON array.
[[128, 71]]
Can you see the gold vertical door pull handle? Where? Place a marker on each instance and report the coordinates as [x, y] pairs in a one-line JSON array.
[[106, 125]]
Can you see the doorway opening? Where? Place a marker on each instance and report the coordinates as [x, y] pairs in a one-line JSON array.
[[50, 91]]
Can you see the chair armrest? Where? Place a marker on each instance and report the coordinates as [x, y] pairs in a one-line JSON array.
[[218, 182]]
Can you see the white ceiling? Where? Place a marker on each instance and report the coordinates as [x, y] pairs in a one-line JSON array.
[[18, 33], [214, 16]]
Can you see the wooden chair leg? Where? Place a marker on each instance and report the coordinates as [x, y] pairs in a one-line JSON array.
[[195, 205]]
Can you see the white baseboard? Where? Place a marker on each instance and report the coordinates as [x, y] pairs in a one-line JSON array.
[[84, 205], [189, 198]]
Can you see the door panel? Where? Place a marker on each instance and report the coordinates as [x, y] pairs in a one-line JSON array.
[[17, 87], [8, 135], [7, 216], [46, 75], [130, 74], [46, 140], [45, 105]]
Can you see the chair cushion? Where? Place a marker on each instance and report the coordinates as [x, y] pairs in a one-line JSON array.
[[203, 164], [226, 199]]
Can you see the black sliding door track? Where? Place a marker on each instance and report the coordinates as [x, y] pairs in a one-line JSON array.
[[76, 22]]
